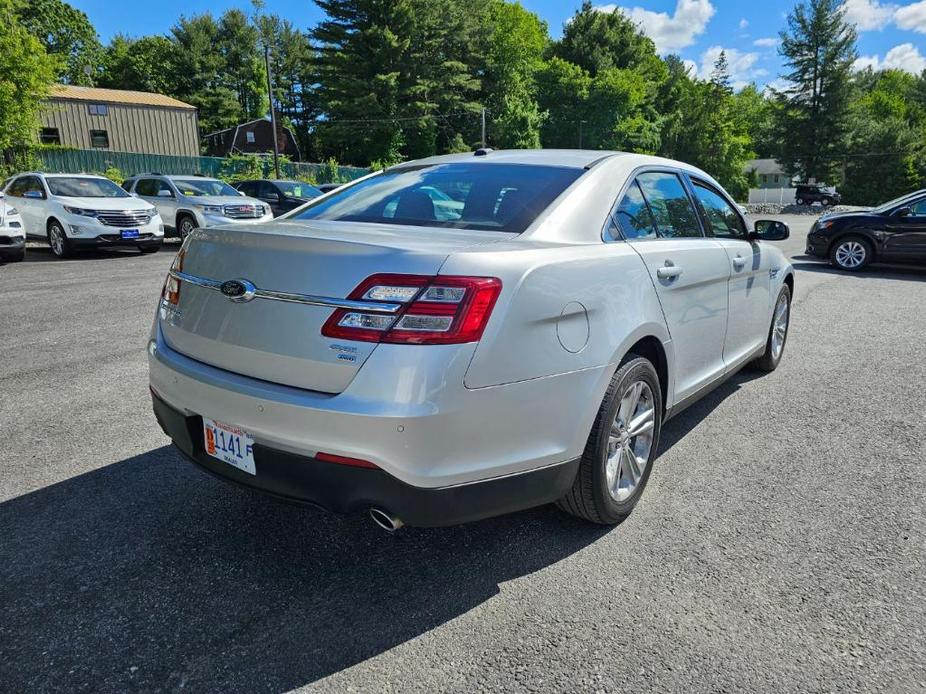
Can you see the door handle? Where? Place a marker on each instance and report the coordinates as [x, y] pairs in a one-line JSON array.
[[739, 262], [669, 272]]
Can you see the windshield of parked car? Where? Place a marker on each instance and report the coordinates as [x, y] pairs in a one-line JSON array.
[[295, 189], [909, 197], [486, 197], [83, 187], [206, 187]]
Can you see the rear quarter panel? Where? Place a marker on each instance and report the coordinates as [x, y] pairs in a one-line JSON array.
[[563, 308]]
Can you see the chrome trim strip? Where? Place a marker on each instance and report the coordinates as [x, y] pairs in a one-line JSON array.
[[308, 299]]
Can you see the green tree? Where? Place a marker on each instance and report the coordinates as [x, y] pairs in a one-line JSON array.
[[755, 113], [563, 89], [26, 72], [514, 54], [364, 80], [147, 64], [67, 34], [598, 40], [812, 114], [887, 139]]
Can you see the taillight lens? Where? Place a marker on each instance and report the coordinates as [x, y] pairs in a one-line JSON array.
[[171, 291], [436, 310]]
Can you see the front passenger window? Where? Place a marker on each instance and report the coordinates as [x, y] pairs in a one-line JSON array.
[[724, 222], [919, 208], [675, 217]]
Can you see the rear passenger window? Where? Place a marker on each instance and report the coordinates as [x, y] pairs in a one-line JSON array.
[[674, 215], [723, 220], [633, 216]]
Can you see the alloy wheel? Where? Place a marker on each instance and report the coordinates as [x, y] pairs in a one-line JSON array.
[[186, 227], [851, 254], [56, 236], [780, 326], [630, 440]]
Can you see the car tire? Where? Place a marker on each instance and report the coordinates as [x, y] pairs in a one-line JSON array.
[[800, 201], [186, 224], [851, 253], [58, 240], [149, 249], [17, 257], [826, 202], [777, 332], [616, 463]]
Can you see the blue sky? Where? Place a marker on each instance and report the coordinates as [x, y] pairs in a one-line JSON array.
[[891, 33]]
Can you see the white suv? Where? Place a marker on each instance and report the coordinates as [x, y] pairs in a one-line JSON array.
[[12, 233], [188, 202], [75, 211]]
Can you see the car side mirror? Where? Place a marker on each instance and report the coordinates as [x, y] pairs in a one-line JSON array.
[[165, 193], [770, 230], [34, 195], [904, 212]]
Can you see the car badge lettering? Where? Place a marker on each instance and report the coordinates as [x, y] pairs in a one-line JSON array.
[[238, 290]]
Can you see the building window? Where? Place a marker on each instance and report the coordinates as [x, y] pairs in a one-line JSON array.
[[98, 109], [249, 136], [50, 136], [99, 138]]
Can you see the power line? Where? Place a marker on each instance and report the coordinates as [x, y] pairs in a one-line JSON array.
[[399, 119]]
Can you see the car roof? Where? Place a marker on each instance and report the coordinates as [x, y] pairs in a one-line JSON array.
[[572, 158], [59, 175]]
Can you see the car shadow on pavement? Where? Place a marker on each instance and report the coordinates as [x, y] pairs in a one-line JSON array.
[[873, 271], [678, 426], [148, 574]]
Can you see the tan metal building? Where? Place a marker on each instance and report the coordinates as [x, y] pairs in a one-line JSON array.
[[119, 121]]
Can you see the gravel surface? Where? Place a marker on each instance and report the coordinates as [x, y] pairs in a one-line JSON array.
[[780, 545]]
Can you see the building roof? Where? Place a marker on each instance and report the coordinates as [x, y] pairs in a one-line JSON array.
[[764, 166], [115, 96]]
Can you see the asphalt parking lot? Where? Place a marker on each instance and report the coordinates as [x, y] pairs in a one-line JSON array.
[[780, 545]]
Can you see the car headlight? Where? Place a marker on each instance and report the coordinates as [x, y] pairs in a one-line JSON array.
[[11, 211], [213, 209], [80, 211]]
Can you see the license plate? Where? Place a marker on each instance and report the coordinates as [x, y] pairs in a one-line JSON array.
[[230, 444], [130, 233]]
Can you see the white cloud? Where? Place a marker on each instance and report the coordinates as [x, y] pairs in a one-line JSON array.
[[868, 15], [670, 32], [765, 43], [691, 66], [905, 57], [912, 17], [744, 23], [741, 65]]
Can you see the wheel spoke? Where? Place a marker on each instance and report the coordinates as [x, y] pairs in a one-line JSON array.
[[631, 466], [642, 423], [629, 401]]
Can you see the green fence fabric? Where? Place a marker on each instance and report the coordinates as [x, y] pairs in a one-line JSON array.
[[132, 163]]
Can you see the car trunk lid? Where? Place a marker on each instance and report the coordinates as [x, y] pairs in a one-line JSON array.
[[281, 340]]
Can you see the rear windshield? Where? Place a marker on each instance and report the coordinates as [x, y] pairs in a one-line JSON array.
[[84, 187], [486, 197]]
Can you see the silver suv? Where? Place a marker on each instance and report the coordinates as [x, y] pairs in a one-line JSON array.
[[188, 202]]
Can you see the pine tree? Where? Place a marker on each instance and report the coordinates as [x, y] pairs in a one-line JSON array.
[[812, 113]]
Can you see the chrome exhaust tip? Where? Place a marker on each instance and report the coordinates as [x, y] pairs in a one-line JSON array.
[[385, 520]]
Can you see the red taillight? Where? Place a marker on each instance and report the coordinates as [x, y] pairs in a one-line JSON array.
[[171, 289], [344, 460], [437, 310]]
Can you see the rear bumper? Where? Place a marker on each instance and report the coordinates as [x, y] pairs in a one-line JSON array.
[[345, 489]]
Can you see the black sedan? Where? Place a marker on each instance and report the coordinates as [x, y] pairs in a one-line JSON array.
[[282, 196], [893, 232]]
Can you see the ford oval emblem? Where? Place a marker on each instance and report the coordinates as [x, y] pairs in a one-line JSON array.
[[238, 290]]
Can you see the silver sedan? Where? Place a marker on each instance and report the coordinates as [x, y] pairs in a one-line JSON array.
[[467, 335]]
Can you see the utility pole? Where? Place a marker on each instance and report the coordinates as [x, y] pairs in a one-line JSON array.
[[273, 113], [580, 132], [483, 128]]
